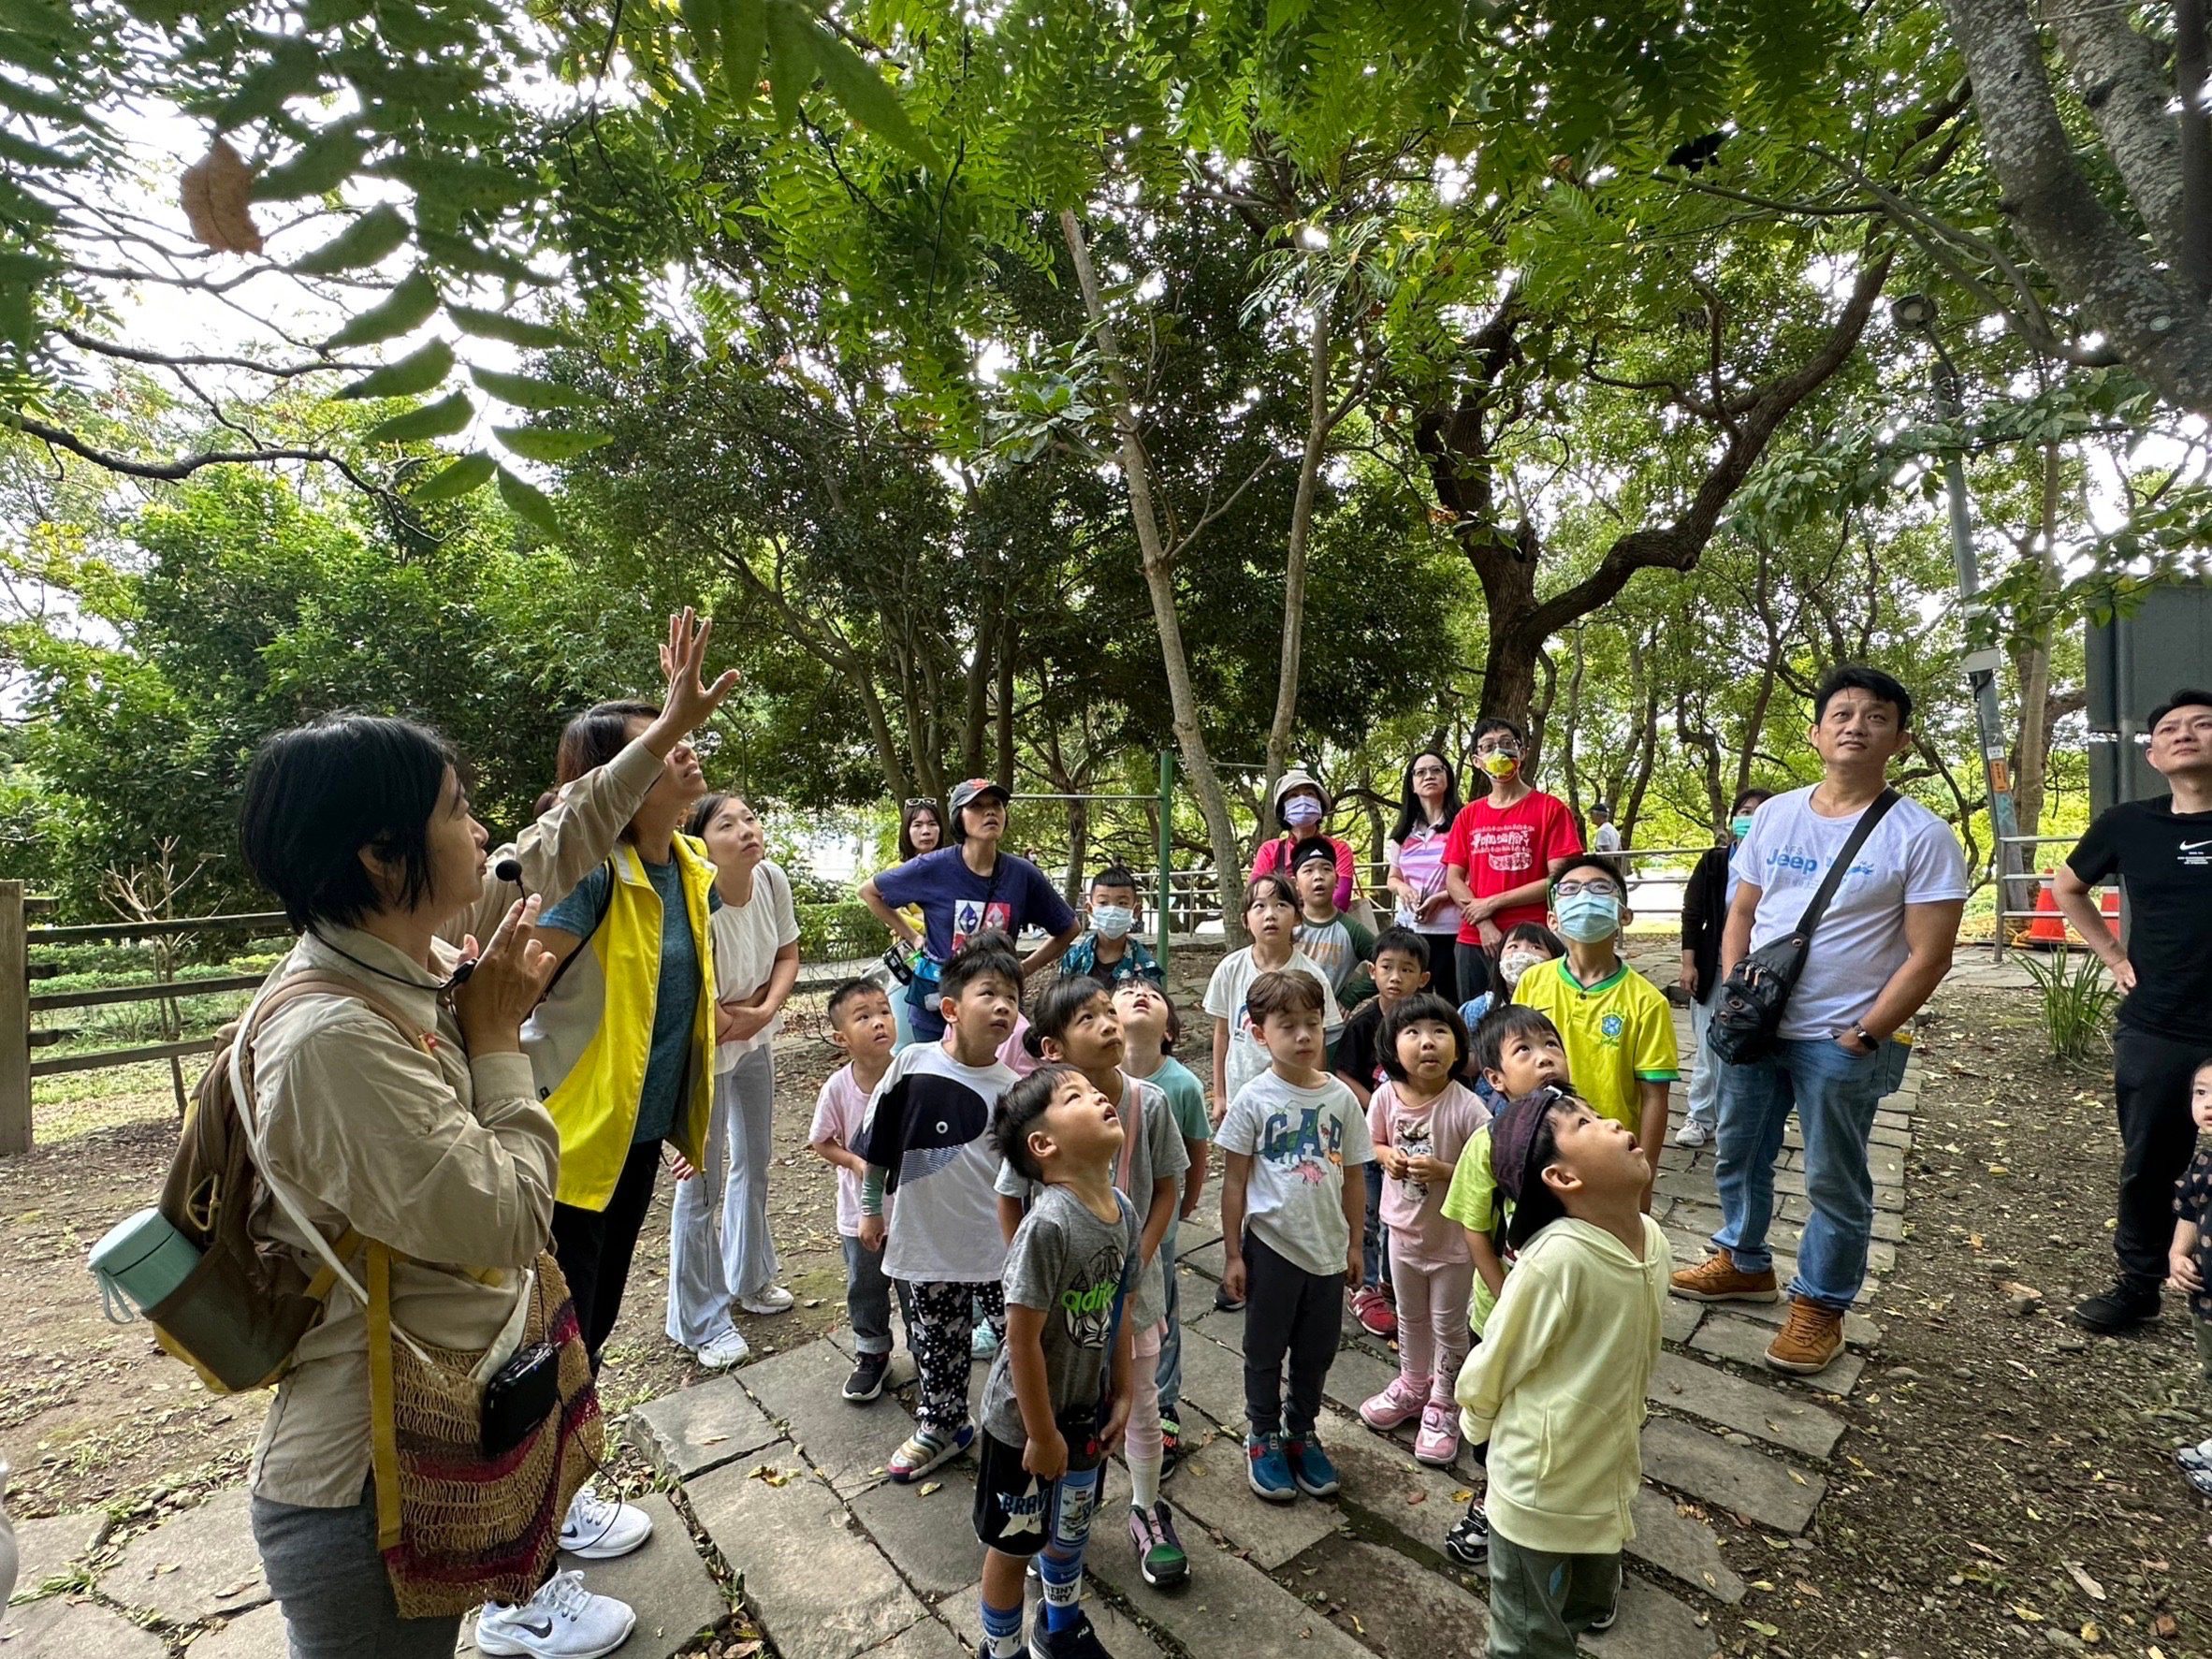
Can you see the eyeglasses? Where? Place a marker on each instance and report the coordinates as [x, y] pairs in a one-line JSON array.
[[1604, 889], [1505, 746], [918, 803], [1428, 771]]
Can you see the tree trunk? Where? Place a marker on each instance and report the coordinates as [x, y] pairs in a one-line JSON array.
[[1574, 721], [2031, 669], [1159, 586], [1318, 428], [1647, 755], [1005, 773]]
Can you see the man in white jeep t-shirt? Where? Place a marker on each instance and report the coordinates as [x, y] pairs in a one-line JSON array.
[[1875, 957]]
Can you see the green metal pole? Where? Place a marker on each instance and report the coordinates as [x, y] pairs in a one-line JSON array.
[[1167, 841]]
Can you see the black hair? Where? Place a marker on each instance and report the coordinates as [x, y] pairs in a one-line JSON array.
[[1058, 1005], [1535, 933], [1410, 1011], [1174, 1019], [702, 811], [1404, 941], [1274, 882], [1602, 863], [2184, 697], [1411, 813], [987, 955], [1018, 1110], [1496, 722], [906, 814], [1283, 991], [849, 991], [1512, 1020], [596, 737], [318, 793], [1858, 677], [1114, 875], [1538, 1206], [1750, 792]]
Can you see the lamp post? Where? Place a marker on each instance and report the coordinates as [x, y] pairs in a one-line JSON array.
[[1916, 313]]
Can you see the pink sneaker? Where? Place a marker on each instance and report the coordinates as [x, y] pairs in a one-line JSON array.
[[1399, 1404], [1438, 1440], [1371, 1306]]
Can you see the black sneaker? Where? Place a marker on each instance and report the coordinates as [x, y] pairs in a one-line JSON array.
[[866, 1380], [1225, 1304], [2121, 1308], [1468, 1542], [1078, 1641], [1605, 1622]]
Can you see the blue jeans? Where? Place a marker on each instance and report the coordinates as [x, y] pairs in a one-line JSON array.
[[1834, 1093], [1171, 1341], [1374, 1261]]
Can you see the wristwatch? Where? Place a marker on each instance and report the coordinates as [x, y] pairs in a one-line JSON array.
[[1865, 1036]]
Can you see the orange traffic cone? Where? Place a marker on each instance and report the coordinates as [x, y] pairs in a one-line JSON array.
[[2049, 927]]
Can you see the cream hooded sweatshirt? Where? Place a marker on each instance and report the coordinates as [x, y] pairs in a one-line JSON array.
[[1557, 1387]]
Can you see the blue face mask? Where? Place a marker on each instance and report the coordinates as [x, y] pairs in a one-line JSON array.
[[1300, 810], [1112, 921], [1588, 918], [1741, 825]]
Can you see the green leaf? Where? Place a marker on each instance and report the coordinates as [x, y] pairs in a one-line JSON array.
[[405, 309], [792, 68], [368, 240], [526, 392], [544, 444], [327, 161], [529, 502], [412, 374], [471, 471], [867, 97], [703, 18], [745, 38], [515, 330], [441, 420]]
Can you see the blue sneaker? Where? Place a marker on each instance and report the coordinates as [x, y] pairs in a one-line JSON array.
[[1269, 1474], [1310, 1466]]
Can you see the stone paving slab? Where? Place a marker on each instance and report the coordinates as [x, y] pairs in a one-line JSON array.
[[262, 1633], [194, 1565], [47, 1548], [1652, 1626], [930, 1539], [1212, 1374], [1758, 1486], [799, 1389], [700, 1427], [1122, 1636], [1209, 1486], [1787, 1420], [666, 1584], [820, 1588], [59, 1628], [1744, 1342], [925, 1638], [1859, 1330], [1399, 1608], [1888, 1227], [1679, 1319], [1681, 1546], [1781, 1235]]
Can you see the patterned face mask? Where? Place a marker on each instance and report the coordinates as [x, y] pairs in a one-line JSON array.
[[1513, 964]]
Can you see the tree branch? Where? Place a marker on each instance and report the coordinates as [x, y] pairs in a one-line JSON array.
[[183, 466]]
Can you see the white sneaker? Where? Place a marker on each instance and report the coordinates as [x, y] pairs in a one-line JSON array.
[[774, 1298], [600, 1529], [1692, 1133], [728, 1349], [563, 1621]]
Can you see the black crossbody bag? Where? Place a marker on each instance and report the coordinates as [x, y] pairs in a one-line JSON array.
[[1748, 1011]]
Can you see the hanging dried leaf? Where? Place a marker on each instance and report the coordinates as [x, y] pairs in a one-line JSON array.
[[216, 189]]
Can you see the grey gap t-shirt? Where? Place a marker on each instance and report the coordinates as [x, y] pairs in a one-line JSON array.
[[1070, 1265]]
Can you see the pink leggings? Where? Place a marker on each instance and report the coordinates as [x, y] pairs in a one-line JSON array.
[[1432, 1319], [1144, 1438]]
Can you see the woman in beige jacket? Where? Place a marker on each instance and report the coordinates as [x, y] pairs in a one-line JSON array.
[[431, 1142]]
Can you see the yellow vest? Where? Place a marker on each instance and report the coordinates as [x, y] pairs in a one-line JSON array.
[[588, 1043]]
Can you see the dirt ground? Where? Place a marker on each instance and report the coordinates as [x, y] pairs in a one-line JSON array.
[[2008, 1487]]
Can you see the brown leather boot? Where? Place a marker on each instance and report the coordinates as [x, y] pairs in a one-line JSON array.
[[1717, 1279], [1812, 1337]]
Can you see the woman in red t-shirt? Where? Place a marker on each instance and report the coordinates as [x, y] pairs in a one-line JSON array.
[[1301, 805], [1499, 857]]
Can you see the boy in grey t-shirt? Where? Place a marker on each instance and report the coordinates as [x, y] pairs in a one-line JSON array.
[[1058, 1392]]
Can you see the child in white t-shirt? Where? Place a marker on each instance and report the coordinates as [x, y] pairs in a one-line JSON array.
[[1271, 917]]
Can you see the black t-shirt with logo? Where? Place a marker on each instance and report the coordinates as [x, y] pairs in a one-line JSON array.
[[2163, 859]]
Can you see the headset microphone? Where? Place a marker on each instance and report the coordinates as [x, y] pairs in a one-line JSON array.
[[508, 869]]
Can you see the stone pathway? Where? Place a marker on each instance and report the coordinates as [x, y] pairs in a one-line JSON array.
[[784, 1480]]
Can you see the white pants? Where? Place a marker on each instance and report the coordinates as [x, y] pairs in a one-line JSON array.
[[1705, 1072], [718, 1247]]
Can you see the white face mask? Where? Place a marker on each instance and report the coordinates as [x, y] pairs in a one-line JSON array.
[[1513, 964], [1112, 921]]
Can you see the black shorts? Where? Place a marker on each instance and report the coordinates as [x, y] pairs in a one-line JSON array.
[[1015, 1512]]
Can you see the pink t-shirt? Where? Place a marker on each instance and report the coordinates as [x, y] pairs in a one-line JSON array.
[[1271, 855], [1414, 1210], [840, 1110], [1503, 850]]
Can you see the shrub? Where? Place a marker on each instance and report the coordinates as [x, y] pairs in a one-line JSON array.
[[2078, 998]]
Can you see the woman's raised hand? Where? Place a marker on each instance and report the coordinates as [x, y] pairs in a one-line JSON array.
[[690, 701]]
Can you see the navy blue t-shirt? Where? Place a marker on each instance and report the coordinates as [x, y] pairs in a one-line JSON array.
[[677, 1002], [958, 904]]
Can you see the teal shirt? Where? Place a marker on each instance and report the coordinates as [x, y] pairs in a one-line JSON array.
[[1185, 1096]]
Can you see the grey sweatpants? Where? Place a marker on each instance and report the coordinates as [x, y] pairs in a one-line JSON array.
[[718, 1247], [324, 1570], [1539, 1602]]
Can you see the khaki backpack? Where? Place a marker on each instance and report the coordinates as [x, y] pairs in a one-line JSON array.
[[241, 1311]]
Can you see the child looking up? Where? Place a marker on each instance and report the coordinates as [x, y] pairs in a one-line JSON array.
[[1401, 968], [1293, 1201], [1528, 945], [1421, 1120], [1058, 1391], [2189, 1261], [1148, 1029], [1517, 1051], [1619, 1029], [927, 1140], [1338, 945], [1271, 917], [1109, 950], [863, 1024], [1075, 1025], [1557, 1385]]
